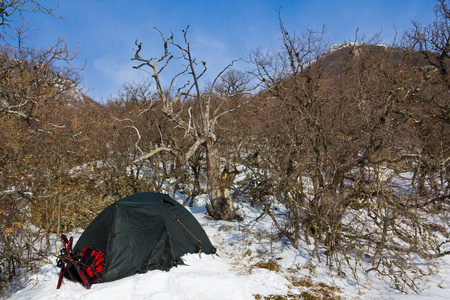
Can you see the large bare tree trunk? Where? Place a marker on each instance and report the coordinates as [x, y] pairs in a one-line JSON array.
[[219, 185]]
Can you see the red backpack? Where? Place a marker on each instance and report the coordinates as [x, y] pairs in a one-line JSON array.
[[91, 263]]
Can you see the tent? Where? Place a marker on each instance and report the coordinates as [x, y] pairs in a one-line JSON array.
[[142, 232]]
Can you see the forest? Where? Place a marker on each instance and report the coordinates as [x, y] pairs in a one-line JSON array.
[[353, 140]]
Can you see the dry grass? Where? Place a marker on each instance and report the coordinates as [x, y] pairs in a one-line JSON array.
[[310, 291], [269, 265]]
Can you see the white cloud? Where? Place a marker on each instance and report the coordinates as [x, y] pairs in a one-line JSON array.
[[117, 71], [110, 73]]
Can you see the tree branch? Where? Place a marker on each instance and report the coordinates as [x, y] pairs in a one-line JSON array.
[[153, 152]]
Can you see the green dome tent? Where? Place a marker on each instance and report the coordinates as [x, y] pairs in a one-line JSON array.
[[142, 232]]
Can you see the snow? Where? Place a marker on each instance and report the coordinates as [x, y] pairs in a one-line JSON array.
[[236, 273]]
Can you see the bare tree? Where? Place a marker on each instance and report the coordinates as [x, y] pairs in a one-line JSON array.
[[432, 42], [198, 122], [293, 78], [233, 83], [34, 93], [350, 126], [13, 23], [23, 90]]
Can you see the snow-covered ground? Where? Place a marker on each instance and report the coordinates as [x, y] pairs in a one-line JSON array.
[[251, 263]]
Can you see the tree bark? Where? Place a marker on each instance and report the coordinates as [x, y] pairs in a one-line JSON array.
[[219, 185]]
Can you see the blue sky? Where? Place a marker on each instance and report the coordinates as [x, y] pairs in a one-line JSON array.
[[104, 31]]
